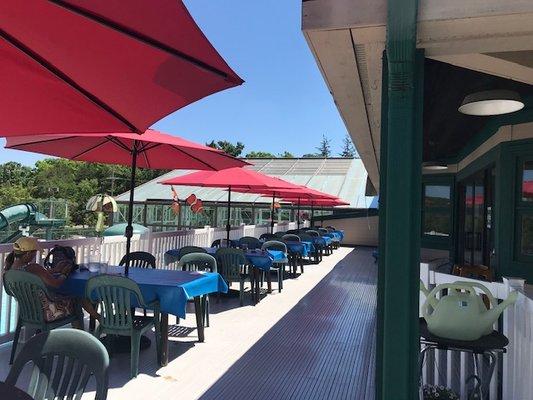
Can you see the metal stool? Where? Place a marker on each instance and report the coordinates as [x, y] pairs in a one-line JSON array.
[[488, 345]]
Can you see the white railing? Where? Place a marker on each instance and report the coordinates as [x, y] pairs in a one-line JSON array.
[[112, 249], [514, 369]]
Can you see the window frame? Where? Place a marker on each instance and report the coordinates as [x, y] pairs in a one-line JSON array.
[[436, 241]]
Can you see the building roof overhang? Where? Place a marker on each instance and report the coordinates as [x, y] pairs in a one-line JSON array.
[[347, 39]]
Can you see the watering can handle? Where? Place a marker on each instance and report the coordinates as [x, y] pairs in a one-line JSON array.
[[486, 291], [467, 286]]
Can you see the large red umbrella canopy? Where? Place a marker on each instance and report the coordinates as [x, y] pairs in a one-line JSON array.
[[155, 150], [318, 202], [101, 65], [235, 178], [300, 192], [240, 179], [152, 149]]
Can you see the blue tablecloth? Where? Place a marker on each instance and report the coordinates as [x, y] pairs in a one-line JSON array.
[[301, 248], [327, 240], [340, 234], [171, 288], [261, 260]]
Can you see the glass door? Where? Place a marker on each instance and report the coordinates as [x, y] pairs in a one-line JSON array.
[[476, 224]]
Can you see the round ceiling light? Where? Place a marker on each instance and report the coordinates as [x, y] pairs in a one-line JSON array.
[[491, 102], [434, 166]]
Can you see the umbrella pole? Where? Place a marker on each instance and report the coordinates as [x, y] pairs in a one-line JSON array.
[[312, 214], [272, 214], [228, 224], [298, 215], [129, 228]]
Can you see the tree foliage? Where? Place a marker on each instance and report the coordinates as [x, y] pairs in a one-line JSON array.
[[324, 149], [234, 150], [260, 154], [348, 149], [286, 154], [73, 181]]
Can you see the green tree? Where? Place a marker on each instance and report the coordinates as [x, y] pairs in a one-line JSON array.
[[260, 154], [15, 173], [348, 149], [286, 154], [13, 194], [311, 155], [324, 149], [234, 150]]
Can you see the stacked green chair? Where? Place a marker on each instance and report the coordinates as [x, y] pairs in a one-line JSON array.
[[268, 236], [279, 265], [113, 295], [77, 357], [27, 288], [232, 265], [280, 234], [200, 262], [190, 249], [251, 242], [140, 259], [328, 249], [295, 259]]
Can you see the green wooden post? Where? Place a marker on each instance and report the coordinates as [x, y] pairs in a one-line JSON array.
[[398, 342]]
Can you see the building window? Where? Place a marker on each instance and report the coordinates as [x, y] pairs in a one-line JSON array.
[[437, 217], [524, 212]]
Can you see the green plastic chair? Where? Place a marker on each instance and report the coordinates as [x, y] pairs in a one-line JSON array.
[[232, 265], [291, 237], [251, 242], [278, 266], [200, 262], [27, 288], [317, 252], [114, 295], [280, 234], [139, 259], [190, 249], [71, 354]]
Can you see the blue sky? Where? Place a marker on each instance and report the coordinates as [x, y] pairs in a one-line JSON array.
[[284, 103]]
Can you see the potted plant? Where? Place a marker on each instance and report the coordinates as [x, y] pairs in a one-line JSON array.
[[438, 393]]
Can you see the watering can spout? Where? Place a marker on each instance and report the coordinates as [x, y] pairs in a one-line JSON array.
[[493, 314]]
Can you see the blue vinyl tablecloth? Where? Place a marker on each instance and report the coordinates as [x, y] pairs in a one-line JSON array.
[[302, 248], [171, 288], [259, 259]]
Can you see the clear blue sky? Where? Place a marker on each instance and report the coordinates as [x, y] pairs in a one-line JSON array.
[[284, 103]]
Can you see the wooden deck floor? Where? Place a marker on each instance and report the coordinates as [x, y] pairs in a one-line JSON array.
[[314, 340], [324, 348]]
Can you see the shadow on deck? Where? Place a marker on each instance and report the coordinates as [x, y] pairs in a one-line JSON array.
[[323, 348]]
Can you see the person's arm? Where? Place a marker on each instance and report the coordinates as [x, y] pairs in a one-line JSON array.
[[50, 280]]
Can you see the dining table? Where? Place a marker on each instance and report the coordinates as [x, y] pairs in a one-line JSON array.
[[260, 261], [171, 288]]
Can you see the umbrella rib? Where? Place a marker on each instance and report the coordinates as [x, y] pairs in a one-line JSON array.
[[118, 143], [145, 39], [90, 149], [16, 146], [66, 79], [190, 155]]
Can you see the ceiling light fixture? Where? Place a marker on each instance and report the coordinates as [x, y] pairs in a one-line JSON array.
[[491, 102], [434, 166]]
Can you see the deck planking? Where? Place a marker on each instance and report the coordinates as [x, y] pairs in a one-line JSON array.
[[323, 348]]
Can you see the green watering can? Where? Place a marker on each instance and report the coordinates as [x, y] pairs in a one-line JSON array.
[[461, 314]]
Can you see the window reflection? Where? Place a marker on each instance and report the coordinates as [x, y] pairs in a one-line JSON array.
[[437, 210]]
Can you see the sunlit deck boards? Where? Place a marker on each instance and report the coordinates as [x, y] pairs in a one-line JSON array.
[[322, 349], [314, 340]]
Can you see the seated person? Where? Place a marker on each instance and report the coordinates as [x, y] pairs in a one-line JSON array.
[[23, 258]]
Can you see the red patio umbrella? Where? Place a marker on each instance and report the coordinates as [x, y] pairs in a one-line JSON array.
[[239, 179], [154, 150], [318, 203], [101, 66], [299, 193]]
